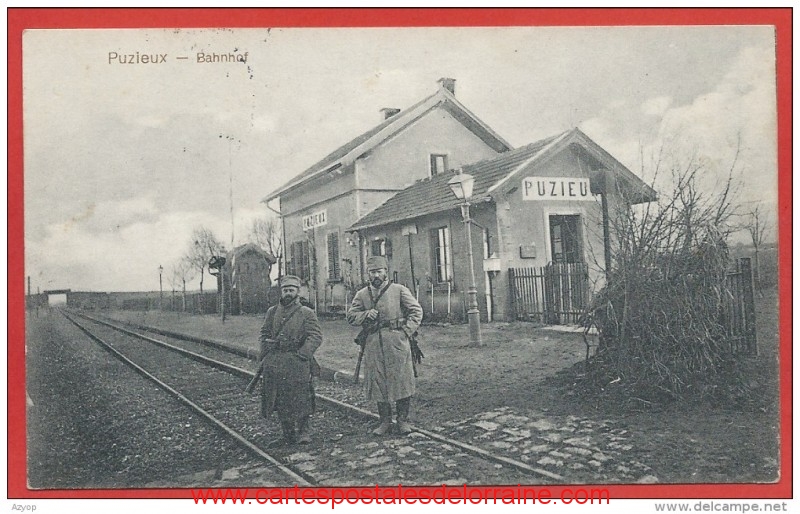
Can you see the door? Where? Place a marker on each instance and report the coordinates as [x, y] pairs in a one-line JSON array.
[[565, 239], [566, 276]]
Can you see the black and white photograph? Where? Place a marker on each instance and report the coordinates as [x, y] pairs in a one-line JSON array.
[[431, 256]]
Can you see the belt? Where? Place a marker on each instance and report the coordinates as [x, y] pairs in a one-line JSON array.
[[394, 324]]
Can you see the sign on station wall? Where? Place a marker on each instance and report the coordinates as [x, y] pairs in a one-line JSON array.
[[556, 188], [317, 219]]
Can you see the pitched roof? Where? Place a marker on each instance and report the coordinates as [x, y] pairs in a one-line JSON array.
[[347, 153], [250, 247], [434, 195]]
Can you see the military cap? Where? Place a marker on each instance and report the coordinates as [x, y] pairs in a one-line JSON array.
[[290, 280], [377, 262]]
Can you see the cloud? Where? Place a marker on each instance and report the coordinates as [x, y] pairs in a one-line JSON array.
[[122, 162], [140, 241], [738, 110], [656, 106], [116, 260]]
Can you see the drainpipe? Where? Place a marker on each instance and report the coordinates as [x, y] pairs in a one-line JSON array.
[[282, 261], [411, 264]]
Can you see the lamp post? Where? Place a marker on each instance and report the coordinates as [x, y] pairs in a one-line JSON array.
[[461, 185], [160, 288]]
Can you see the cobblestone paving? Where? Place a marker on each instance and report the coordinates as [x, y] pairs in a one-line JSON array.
[[580, 450], [357, 458]]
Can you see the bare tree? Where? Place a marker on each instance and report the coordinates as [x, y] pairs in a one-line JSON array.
[[204, 244], [180, 272], [266, 234], [759, 230]]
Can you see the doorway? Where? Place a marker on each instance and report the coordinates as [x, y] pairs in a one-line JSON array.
[[565, 239]]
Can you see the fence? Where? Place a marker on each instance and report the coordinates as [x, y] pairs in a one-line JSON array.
[[558, 294], [739, 312], [554, 294], [196, 303]]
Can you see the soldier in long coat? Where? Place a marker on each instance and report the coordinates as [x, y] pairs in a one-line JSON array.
[[391, 315], [289, 337]]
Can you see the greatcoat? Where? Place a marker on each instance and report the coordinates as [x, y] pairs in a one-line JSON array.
[[388, 365], [289, 337]]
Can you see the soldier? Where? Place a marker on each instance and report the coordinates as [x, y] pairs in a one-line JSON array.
[[389, 315], [289, 337]]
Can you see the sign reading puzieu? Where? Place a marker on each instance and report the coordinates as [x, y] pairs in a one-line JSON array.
[[317, 219], [556, 188]]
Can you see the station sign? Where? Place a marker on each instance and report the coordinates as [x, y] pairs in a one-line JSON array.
[[317, 219], [556, 188]]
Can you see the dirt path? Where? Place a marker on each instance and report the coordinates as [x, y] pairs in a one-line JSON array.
[[513, 378]]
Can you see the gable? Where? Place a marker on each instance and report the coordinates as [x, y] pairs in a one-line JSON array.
[[406, 156], [584, 152], [353, 149], [433, 195], [497, 176]]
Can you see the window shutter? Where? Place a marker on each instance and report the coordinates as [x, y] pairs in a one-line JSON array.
[[292, 259], [305, 266], [334, 270]]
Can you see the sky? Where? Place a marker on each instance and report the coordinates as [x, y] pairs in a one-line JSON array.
[[122, 161]]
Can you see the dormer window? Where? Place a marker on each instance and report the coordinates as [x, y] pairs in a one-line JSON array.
[[438, 164]]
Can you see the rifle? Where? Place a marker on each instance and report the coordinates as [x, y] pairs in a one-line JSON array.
[[251, 386], [370, 328], [360, 340], [416, 352]]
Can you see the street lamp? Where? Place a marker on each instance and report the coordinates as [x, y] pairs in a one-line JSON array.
[[160, 288], [461, 185]]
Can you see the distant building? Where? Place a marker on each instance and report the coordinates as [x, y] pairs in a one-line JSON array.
[[247, 283], [319, 205]]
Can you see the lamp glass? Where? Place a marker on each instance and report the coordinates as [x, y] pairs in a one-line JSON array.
[[461, 185]]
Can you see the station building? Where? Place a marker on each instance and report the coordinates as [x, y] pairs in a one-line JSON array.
[[539, 215], [318, 206]]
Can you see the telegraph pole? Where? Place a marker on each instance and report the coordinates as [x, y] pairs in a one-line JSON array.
[[160, 288]]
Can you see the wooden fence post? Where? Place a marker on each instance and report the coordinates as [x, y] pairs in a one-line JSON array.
[[513, 292], [749, 305]]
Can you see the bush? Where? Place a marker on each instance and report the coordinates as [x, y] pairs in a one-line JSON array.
[[662, 315]]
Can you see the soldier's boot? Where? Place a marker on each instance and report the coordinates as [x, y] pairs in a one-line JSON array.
[[385, 412], [303, 428], [403, 408], [288, 437]]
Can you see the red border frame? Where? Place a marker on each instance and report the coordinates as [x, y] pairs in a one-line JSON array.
[[21, 19]]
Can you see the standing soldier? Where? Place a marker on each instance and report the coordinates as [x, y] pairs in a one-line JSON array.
[[389, 315], [289, 337]]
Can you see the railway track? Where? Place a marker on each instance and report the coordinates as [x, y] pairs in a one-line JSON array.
[[212, 377], [186, 391]]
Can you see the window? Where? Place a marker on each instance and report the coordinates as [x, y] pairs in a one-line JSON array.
[[300, 263], [565, 239], [334, 266], [440, 250], [438, 163], [378, 247]]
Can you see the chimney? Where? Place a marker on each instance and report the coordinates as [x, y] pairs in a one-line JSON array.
[[388, 112], [448, 84]]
